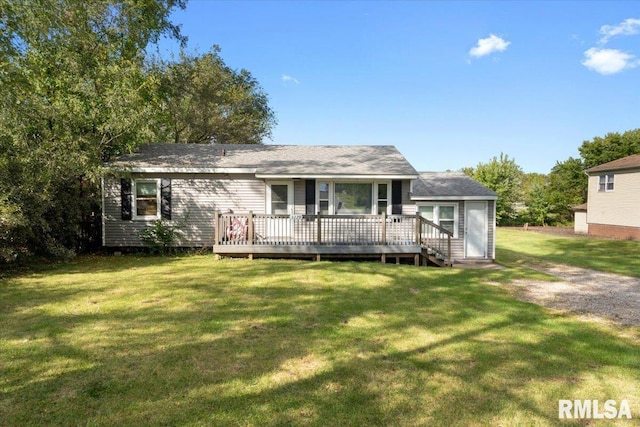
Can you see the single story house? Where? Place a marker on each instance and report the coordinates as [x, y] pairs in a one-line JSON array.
[[613, 199], [317, 201]]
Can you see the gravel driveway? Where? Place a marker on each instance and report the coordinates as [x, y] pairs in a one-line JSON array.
[[603, 296]]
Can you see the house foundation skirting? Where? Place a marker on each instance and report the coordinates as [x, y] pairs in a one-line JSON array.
[[614, 231], [318, 252]]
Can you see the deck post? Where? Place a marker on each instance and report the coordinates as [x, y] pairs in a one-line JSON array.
[[216, 228], [250, 228], [416, 260], [319, 228], [449, 250], [418, 228], [250, 233], [384, 228]]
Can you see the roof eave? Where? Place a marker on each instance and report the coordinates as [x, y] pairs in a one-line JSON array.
[[428, 198], [334, 176], [597, 169]]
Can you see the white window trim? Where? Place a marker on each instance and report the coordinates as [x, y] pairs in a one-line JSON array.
[[374, 195], [436, 214], [330, 196], [290, 192], [607, 182], [134, 201]]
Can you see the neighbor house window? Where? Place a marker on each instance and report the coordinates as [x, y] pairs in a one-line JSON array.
[[147, 198], [445, 215], [353, 198], [605, 183]]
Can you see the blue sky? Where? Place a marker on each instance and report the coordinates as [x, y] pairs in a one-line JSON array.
[[451, 84]]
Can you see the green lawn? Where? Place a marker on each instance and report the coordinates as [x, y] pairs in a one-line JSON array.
[[195, 341], [615, 256]]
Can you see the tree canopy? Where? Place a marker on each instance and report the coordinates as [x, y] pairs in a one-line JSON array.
[[203, 100], [77, 89], [612, 147], [503, 176]]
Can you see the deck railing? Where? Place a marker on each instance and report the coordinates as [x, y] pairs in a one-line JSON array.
[[333, 230], [435, 239]]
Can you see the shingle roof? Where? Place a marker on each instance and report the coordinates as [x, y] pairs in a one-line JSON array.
[[629, 162], [448, 184], [273, 159]]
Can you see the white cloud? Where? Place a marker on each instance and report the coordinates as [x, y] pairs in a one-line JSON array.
[[608, 61], [489, 45], [287, 78], [628, 27]]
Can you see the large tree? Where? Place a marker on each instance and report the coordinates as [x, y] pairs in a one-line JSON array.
[[567, 184], [202, 100], [73, 93], [612, 147], [503, 176], [567, 187]]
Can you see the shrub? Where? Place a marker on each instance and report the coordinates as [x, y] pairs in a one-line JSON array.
[[160, 236]]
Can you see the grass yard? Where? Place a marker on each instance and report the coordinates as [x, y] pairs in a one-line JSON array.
[[195, 341], [614, 256]]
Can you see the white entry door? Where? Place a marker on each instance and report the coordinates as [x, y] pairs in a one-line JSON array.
[[279, 202], [475, 229]]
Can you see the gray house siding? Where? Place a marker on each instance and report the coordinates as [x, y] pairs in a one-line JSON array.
[[195, 198], [457, 244], [408, 205]]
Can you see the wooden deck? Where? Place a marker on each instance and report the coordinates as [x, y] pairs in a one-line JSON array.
[[321, 236]]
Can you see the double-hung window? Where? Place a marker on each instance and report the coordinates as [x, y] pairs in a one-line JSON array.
[[323, 198], [147, 198], [383, 197], [605, 183], [445, 215]]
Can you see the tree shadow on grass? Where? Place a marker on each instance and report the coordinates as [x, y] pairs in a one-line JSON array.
[[300, 343]]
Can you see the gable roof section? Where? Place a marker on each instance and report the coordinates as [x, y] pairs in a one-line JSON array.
[[449, 186], [629, 162], [270, 161]]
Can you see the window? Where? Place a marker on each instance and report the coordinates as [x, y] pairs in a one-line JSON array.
[[445, 215], [280, 198], [605, 183], [353, 198], [383, 198], [323, 198], [147, 198]]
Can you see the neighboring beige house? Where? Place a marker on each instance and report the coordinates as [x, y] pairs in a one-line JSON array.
[[614, 199]]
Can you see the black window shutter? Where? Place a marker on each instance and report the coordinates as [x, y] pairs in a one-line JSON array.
[[125, 198], [310, 196], [165, 198], [396, 197]]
